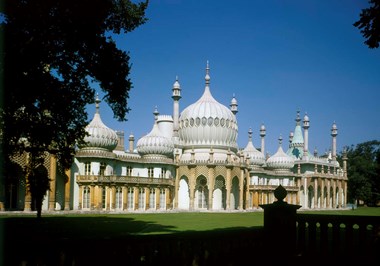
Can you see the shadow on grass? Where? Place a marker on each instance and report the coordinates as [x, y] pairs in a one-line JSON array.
[[120, 241]]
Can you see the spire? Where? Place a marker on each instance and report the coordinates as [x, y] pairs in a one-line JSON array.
[[250, 134], [155, 113], [97, 101], [207, 77], [298, 118]]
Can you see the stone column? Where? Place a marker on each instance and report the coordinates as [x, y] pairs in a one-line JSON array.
[[80, 199], [176, 188], [167, 198], [67, 189], [147, 198], [328, 205], [241, 187], [53, 179], [125, 198], [228, 189], [92, 197], [315, 193], [136, 193], [211, 184], [255, 200], [334, 195], [192, 187]]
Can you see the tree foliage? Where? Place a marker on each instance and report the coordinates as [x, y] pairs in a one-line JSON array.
[[53, 50], [369, 24], [363, 172]]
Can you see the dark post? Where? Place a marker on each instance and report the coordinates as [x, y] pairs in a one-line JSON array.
[[280, 225]]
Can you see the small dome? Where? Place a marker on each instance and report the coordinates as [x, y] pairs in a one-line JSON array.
[[255, 157], [100, 136], [280, 161], [154, 143]]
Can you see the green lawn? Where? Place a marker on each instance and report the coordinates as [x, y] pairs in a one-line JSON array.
[[116, 225]]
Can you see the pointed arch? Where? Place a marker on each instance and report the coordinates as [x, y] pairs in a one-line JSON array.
[[235, 193], [310, 199], [184, 193], [219, 194], [201, 193]]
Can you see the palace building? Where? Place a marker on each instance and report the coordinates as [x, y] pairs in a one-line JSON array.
[[189, 161]]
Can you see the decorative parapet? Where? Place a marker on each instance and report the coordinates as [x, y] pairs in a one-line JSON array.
[[135, 180], [272, 187]]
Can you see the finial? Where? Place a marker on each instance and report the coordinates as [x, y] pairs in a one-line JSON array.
[[207, 77], [262, 130], [155, 113], [250, 134], [97, 101], [280, 140], [298, 118]]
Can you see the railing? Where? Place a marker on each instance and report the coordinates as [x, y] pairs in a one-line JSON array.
[[123, 180], [338, 235]]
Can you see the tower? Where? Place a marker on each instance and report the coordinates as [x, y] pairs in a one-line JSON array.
[[262, 135], [334, 133], [306, 125], [176, 96]]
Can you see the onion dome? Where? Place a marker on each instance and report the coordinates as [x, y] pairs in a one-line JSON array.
[[100, 136], [280, 161], [255, 157], [155, 143], [297, 145], [208, 123]]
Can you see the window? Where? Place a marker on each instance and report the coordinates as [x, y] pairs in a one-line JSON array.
[[163, 172], [119, 198], [141, 198], [129, 170], [87, 168], [162, 198], [152, 198], [86, 197], [130, 198], [150, 172]]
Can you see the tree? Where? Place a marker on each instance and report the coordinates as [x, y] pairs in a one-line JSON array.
[[364, 172], [53, 52], [369, 24]]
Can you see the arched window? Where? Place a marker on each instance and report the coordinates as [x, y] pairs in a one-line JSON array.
[[86, 197]]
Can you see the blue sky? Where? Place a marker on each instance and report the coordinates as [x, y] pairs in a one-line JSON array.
[[277, 57]]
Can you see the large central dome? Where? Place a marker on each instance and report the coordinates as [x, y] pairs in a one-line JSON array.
[[208, 123]]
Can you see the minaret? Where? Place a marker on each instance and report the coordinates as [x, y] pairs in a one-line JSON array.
[[334, 133], [131, 142], [234, 105], [176, 96], [306, 125], [345, 158], [262, 135]]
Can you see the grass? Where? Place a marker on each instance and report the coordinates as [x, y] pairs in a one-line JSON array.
[[116, 225], [80, 235]]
